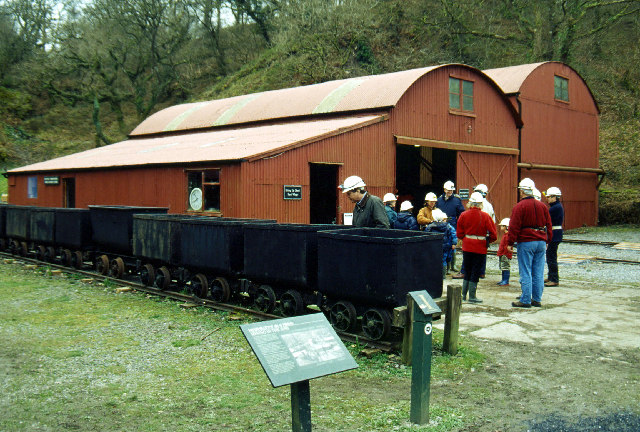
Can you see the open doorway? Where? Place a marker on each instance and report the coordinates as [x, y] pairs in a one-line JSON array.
[[420, 170], [69, 188], [323, 193]]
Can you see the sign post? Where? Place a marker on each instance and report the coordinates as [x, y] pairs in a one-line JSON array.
[[295, 350], [423, 309]]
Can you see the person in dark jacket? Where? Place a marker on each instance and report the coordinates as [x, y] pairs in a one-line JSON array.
[[556, 211], [449, 238], [389, 201], [530, 227], [451, 204], [368, 210], [406, 220]]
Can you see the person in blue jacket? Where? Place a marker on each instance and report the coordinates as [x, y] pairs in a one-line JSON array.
[[389, 201], [556, 211], [451, 204], [449, 239], [406, 220]]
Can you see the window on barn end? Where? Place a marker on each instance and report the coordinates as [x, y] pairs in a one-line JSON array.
[[561, 88], [32, 187], [460, 94], [203, 190]]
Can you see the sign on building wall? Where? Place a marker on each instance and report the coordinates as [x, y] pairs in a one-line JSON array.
[[52, 180], [292, 192], [463, 194]]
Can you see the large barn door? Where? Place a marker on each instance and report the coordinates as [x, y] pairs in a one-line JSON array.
[[497, 171]]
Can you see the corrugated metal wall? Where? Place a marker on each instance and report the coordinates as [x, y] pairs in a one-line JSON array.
[[565, 134]]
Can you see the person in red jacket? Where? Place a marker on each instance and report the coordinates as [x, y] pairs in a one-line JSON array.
[[530, 227], [477, 230], [504, 253]]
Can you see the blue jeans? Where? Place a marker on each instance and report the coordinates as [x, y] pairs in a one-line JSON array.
[[531, 260]]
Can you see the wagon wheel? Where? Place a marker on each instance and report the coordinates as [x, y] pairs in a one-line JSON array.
[[343, 316], [376, 323], [163, 278], [102, 265], [50, 254], [147, 275], [220, 290], [117, 267], [291, 303], [77, 259], [199, 285], [66, 257], [265, 298], [41, 252], [24, 249]]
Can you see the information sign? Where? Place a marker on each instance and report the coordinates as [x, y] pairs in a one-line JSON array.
[[348, 219], [292, 192], [51, 180], [300, 348], [424, 301], [463, 194]]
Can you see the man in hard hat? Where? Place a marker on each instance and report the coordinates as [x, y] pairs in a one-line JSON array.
[[486, 205], [389, 201], [476, 230], [530, 226], [425, 215], [406, 220], [449, 238], [451, 204], [556, 211], [368, 210]]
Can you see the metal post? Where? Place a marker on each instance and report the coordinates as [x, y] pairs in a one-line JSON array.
[[300, 407], [421, 367]]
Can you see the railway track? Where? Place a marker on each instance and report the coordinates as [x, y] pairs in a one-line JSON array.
[[385, 346]]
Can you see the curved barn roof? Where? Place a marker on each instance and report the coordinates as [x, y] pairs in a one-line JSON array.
[[511, 78], [365, 93]]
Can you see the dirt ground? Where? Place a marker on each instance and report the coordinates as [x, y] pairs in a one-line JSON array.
[[573, 364]]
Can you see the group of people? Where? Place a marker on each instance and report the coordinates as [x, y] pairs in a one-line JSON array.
[[535, 229]]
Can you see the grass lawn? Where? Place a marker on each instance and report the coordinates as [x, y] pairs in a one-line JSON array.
[[81, 357]]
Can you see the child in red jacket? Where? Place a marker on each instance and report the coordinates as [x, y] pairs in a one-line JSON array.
[[504, 254]]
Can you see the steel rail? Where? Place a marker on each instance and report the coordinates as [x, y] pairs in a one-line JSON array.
[[385, 346]]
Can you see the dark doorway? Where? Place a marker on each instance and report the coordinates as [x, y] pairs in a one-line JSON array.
[[69, 187], [323, 183], [420, 170]]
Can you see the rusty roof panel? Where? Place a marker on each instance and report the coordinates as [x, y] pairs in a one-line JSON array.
[[218, 145], [354, 94]]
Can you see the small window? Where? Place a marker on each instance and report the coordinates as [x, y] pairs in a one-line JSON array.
[[460, 94], [32, 187], [561, 88], [203, 190]]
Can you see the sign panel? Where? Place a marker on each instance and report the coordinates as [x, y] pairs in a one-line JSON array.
[[425, 302], [348, 219], [292, 192], [52, 180], [463, 194], [296, 349]]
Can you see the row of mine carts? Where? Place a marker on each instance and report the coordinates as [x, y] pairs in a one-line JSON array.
[[355, 275]]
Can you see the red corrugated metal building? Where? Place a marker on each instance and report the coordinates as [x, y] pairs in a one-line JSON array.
[[281, 154], [559, 142]]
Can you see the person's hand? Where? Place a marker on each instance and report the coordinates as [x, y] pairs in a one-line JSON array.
[[510, 249], [453, 247]]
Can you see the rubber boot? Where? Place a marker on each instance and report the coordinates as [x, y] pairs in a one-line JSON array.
[[505, 278], [472, 293], [465, 289], [453, 262], [444, 272]]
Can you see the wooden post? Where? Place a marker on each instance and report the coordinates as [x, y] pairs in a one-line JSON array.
[[407, 338], [452, 319]]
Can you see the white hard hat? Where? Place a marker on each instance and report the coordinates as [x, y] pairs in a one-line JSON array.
[[406, 205], [476, 198], [448, 185], [482, 188], [504, 222], [527, 185], [438, 215], [389, 197], [351, 183], [553, 191], [431, 197], [536, 194]]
